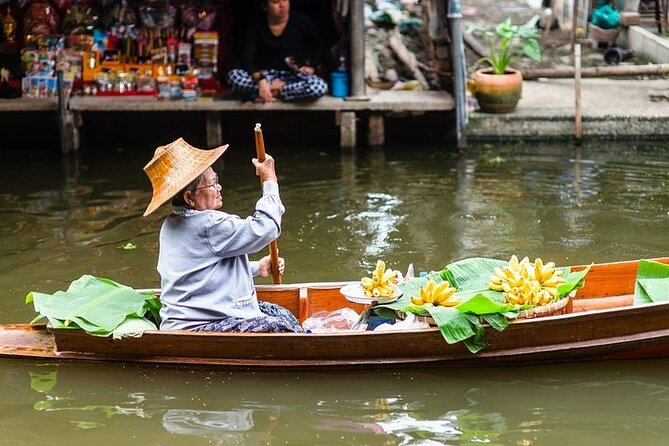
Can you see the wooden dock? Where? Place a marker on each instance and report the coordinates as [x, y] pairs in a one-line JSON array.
[[345, 111]]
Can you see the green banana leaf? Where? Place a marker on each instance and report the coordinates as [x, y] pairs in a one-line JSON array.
[[652, 282], [97, 305], [471, 274], [478, 302]]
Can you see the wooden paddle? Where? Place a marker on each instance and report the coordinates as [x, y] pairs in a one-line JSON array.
[[273, 246]]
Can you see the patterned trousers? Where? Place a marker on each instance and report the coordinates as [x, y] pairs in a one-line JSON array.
[[299, 86], [277, 319]]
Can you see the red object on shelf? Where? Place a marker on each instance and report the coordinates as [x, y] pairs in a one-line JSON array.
[[127, 93], [211, 84]]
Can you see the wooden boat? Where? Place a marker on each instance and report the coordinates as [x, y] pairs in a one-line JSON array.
[[599, 323]]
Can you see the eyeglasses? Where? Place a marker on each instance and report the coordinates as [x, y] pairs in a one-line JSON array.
[[214, 185]]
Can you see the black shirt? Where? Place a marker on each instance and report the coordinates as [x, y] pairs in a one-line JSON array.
[[300, 40]]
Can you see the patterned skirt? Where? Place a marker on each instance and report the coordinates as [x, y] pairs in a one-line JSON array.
[[275, 319]]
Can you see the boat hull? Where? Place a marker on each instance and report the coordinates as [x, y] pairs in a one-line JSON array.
[[620, 331]]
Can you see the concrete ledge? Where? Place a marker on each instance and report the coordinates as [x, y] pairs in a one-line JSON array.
[[562, 128], [611, 108], [28, 105], [385, 101]]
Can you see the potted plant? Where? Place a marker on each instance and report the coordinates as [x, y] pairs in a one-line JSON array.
[[498, 87]]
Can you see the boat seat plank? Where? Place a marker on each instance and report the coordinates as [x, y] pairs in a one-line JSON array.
[[601, 303], [288, 298], [327, 299]]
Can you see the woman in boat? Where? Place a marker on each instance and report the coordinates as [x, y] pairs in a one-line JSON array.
[[206, 275], [279, 54]]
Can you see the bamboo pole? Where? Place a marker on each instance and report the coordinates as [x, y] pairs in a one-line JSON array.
[[273, 246], [574, 24], [604, 71], [577, 92]]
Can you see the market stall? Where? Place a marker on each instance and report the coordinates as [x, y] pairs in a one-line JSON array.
[[115, 47]]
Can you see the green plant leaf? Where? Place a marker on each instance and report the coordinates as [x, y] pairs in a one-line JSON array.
[[96, 305], [532, 49], [481, 304], [471, 274], [509, 41], [43, 382], [652, 282]]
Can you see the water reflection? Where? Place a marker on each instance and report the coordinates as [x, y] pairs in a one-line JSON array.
[[543, 405]]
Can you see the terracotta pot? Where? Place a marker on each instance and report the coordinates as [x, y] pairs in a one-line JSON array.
[[498, 93]]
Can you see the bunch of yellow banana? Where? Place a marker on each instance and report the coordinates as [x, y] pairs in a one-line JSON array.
[[382, 283], [436, 294], [526, 283]]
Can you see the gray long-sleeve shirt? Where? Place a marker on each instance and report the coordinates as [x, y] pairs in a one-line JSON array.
[[203, 263]]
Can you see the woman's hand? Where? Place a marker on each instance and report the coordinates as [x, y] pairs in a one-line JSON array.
[[265, 265], [265, 170], [264, 91], [307, 70]]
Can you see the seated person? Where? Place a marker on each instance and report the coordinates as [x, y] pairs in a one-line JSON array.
[[278, 49], [206, 275]]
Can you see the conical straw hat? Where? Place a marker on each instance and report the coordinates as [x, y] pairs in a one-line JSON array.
[[174, 166]]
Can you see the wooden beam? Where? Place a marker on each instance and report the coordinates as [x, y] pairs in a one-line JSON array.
[[214, 129], [347, 130], [616, 70], [376, 130]]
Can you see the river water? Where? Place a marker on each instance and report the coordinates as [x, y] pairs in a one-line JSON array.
[[426, 205]]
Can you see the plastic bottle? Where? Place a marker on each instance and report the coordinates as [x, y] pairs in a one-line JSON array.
[[339, 79]]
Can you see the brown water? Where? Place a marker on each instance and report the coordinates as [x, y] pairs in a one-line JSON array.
[[61, 218]]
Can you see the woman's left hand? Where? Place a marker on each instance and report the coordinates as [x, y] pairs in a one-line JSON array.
[[307, 70], [265, 265]]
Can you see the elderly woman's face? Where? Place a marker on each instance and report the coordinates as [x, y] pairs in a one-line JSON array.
[[208, 192]]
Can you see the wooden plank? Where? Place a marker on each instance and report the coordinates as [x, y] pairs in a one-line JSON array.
[[214, 129], [328, 299], [592, 333], [610, 279], [390, 101], [376, 130], [28, 105], [347, 130], [288, 298]]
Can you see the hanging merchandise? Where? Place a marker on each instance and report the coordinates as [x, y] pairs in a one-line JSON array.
[[198, 15], [157, 13], [80, 19], [41, 18], [118, 12]]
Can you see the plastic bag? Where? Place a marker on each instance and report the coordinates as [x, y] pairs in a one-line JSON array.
[[408, 323], [331, 321]]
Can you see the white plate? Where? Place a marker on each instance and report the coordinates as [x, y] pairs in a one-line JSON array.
[[355, 293]]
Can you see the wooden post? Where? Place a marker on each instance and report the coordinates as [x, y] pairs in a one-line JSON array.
[[65, 119], [357, 16], [459, 73], [347, 130], [574, 24], [376, 130], [214, 130], [577, 92], [549, 21]]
